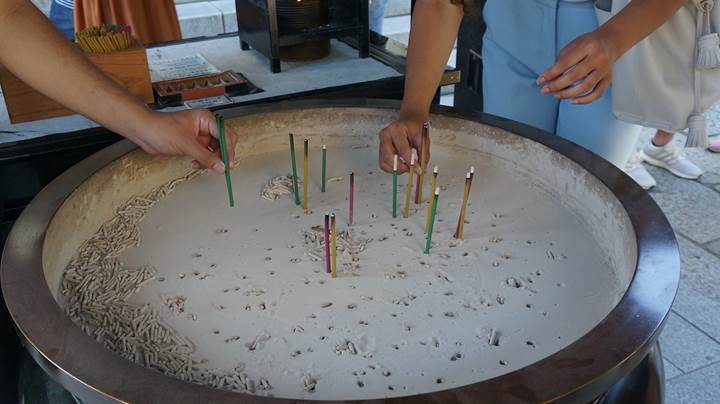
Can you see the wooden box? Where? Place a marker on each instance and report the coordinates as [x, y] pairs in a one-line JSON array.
[[129, 68]]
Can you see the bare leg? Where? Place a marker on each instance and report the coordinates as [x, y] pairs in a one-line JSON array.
[[662, 138]]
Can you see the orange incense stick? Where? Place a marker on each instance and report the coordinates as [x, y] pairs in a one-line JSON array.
[[333, 246], [461, 219], [408, 191]]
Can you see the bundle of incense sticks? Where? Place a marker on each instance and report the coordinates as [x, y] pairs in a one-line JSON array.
[[105, 38]]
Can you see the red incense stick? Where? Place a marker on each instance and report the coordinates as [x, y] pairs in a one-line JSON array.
[[351, 197]]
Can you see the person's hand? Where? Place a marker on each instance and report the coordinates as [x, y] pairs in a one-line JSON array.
[[401, 137], [193, 133], [583, 70]]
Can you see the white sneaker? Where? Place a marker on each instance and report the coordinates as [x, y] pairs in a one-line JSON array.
[[636, 170], [671, 158]]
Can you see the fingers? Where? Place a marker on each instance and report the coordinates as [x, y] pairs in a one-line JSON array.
[[570, 77], [569, 56], [387, 152], [203, 158], [582, 88], [599, 90], [402, 147]]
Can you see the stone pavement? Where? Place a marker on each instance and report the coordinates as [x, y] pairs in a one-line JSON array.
[[691, 339]]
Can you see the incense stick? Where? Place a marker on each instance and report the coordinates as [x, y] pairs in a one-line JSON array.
[[351, 198], [433, 212], [408, 192], [433, 183], [294, 170], [394, 186], [328, 264], [333, 247], [324, 162], [423, 163], [306, 180], [461, 219], [224, 155]]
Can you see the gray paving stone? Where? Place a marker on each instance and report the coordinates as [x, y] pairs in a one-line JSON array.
[[671, 371], [397, 7], [699, 387], [686, 347], [710, 178], [702, 312], [700, 270], [691, 207], [715, 246]]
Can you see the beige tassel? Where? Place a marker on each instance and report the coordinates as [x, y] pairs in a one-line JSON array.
[[708, 44], [697, 131]]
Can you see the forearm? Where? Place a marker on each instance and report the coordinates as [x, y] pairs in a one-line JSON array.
[[435, 24], [40, 56], [636, 21]]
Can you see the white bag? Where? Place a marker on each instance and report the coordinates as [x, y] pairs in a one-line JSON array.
[[670, 78]]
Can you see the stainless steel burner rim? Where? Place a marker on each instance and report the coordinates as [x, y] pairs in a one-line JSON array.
[[580, 372]]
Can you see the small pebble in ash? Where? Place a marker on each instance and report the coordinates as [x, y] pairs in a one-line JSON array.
[[504, 363], [221, 231]]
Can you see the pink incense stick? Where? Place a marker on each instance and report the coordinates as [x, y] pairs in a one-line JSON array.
[[351, 197], [328, 268]]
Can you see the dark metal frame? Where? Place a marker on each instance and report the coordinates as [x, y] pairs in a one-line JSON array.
[[581, 372], [258, 28]]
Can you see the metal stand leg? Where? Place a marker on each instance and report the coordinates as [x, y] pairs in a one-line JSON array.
[[275, 65], [645, 384]]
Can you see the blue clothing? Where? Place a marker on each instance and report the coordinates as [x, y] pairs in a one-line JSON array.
[[377, 14], [522, 39], [61, 15]]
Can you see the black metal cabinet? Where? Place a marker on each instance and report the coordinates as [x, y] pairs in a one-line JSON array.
[[259, 27]]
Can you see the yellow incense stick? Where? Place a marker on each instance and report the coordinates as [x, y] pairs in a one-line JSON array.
[[306, 180], [433, 184], [333, 247], [461, 220], [408, 191]]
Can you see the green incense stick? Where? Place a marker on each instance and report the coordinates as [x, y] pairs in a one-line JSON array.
[[432, 220], [224, 154], [324, 162], [294, 170], [394, 186]]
